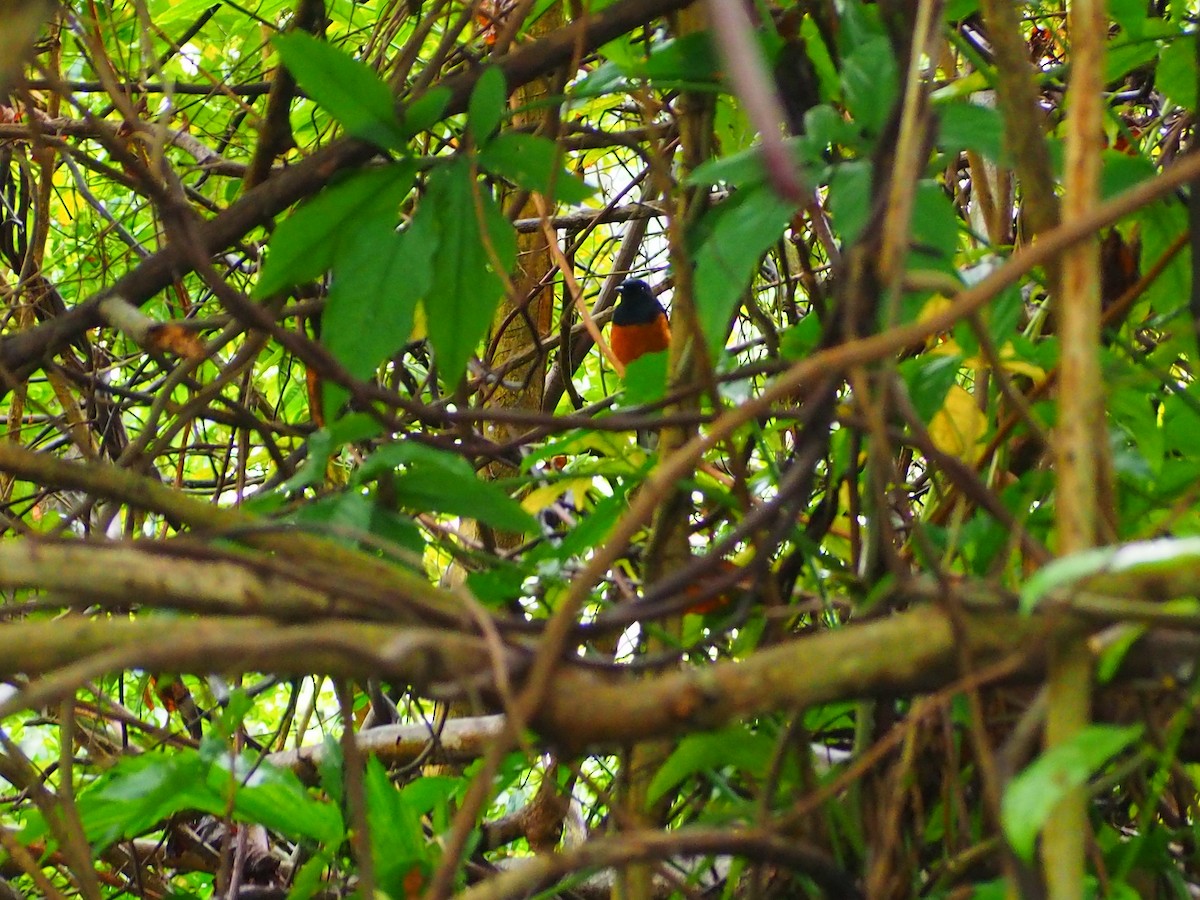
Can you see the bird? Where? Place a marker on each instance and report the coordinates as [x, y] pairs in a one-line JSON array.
[[639, 323]]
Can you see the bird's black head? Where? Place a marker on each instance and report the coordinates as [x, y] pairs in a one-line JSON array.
[[638, 304]]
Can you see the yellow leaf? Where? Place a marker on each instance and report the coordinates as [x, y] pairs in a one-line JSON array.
[[419, 332], [958, 426], [1010, 362], [542, 497], [933, 306]]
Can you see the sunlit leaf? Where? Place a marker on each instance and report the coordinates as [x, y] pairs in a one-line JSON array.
[[956, 428], [870, 82], [379, 275], [1034, 793], [304, 245], [349, 90], [737, 747], [1165, 568], [646, 379], [1175, 74], [429, 480], [486, 107], [742, 230], [476, 244], [534, 163]]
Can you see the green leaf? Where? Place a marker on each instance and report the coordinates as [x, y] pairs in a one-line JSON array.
[[275, 799], [819, 56], [691, 59], [929, 378], [310, 878], [397, 839], [347, 89], [486, 107], [1034, 793], [427, 109], [1175, 75], [646, 379], [1129, 14], [304, 245], [850, 199], [429, 480], [736, 746], [1121, 171], [969, 126], [344, 513], [379, 275], [870, 83], [324, 443], [1125, 56], [934, 230], [801, 339], [466, 287], [742, 230], [140, 792], [1163, 568], [957, 10], [740, 168], [533, 162]]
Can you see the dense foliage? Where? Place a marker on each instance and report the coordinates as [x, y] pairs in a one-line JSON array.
[[341, 556]]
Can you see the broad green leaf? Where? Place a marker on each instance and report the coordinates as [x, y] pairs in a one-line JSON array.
[[1124, 56], [311, 877], [330, 769], [1175, 74], [1033, 795], [928, 379], [486, 107], [347, 89], [498, 585], [740, 168], [1129, 14], [957, 10], [860, 23], [737, 747], [934, 230], [429, 480], [275, 799], [428, 792], [466, 287], [1163, 568], [969, 126], [850, 199], [324, 443], [425, 110], [801, 339], [1121, 171], [140, 792], [818, 54], [742, 230], [1161, 224], [398, 530], [304, 245], [870, 83], [688, 59], [533, 162], [379, 275], [345, 514], [397, 839], [646, 379]]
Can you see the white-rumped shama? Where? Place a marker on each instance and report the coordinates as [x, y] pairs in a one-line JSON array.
[[639, 323]]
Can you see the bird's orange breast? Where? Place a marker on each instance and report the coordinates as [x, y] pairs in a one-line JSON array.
[[628, 342]]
